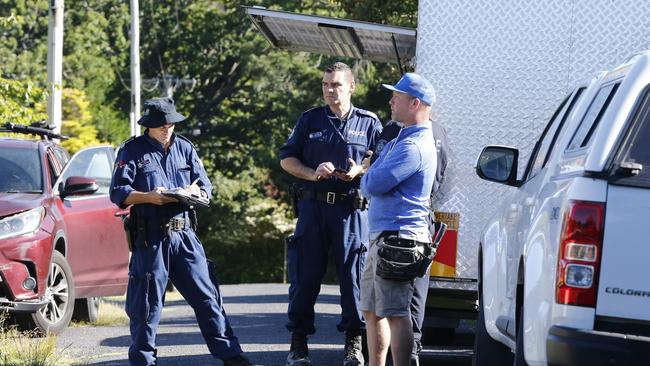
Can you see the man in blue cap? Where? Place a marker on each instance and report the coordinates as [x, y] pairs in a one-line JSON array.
[[166, 246], [421, 285], [399, 185], [325, 151]]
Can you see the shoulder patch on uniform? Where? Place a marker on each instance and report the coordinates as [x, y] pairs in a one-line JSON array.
[[367, 113], [185, 139]]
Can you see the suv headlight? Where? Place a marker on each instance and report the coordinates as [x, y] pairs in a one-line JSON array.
[[23, 223]]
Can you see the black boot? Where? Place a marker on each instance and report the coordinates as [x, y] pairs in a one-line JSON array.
[[298, 353], [353, 349], [239, 360]]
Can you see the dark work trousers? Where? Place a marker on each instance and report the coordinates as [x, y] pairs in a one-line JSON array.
[[418, 302], [181, 258], [322, 228]]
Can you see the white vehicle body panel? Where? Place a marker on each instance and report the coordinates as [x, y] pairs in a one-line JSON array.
[[500, 69], [520, 244], [625, 270]]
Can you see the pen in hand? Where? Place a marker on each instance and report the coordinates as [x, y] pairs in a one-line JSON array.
[[192, 191]]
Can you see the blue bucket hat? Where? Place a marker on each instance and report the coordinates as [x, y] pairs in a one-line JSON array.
[[159, 112], [415, 86]]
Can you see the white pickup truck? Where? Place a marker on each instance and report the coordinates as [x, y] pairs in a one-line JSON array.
[[564, 264]]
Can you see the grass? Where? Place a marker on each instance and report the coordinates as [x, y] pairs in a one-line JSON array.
[[26, 349], [111, 313], [111, 310]]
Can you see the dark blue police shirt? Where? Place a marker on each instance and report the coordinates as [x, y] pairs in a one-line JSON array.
[[320, 136], [142, 165]]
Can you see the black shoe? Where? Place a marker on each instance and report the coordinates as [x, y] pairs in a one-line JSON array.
[[353, 351], [299, 352], [239, 360]]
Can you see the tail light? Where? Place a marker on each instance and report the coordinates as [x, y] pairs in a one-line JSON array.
[[579, 254]]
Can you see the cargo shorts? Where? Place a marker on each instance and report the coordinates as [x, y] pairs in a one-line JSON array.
[[383, 297]]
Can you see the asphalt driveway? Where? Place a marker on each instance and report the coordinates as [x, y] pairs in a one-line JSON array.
[[257, 313]]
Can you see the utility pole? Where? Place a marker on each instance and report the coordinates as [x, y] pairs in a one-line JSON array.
[[134, 116], [55, 63]]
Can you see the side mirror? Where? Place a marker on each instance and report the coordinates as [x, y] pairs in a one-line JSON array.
[[76, 186], [499, 164]]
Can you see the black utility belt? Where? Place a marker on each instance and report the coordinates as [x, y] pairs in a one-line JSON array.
[[391, 237], [176, 224], [327, 197]]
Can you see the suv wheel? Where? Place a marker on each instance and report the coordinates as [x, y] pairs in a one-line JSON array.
[[519, 351], [55, 316], [86, 310], [487, 351]]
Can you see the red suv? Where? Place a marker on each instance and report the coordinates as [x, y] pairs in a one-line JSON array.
[[61, 243]]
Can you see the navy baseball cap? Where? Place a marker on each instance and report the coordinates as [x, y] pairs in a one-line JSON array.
[[415, 86], [159, 112]]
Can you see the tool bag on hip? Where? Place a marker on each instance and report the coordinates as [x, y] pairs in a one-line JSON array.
[[402, 260]]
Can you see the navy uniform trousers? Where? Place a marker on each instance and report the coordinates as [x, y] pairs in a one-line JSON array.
[[418, 301], [322, 228], [181, 257]]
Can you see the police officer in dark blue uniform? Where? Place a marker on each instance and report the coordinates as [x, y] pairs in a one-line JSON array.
[[421, 284], [166, 245], [325, 151]]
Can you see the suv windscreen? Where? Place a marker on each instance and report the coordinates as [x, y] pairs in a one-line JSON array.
[[21, 170]]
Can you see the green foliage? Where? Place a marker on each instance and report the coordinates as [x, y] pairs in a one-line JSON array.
[[95, 52], [26, 349], [401, 13], [21, 103], [248, 229], [76, 121]]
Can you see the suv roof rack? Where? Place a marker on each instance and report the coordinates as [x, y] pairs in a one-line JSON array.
[[35, 128]]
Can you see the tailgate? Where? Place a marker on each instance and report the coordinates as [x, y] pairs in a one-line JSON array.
[[624, 284]]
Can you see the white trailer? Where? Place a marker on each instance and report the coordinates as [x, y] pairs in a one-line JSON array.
[[499, 68]]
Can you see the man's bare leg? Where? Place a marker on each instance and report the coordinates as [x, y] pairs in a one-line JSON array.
[[378, 334], [401, 340]]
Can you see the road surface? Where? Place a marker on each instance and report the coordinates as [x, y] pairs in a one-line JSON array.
[[257, 314]]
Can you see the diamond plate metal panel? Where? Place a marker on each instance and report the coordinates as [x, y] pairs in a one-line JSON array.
[[500, 68]]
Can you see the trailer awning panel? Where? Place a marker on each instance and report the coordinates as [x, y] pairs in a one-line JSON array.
[[334, 36]]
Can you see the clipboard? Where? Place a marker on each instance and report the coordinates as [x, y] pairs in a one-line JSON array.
[[186, 198]]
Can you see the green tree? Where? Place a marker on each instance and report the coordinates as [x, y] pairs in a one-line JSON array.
[[401, 13], [21, 103], [76, 121], [95, 52]]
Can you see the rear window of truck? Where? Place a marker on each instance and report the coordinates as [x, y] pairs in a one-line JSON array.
[[635, 149], [594, 114]]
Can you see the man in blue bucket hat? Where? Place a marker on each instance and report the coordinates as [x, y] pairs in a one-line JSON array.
[[165, 244]]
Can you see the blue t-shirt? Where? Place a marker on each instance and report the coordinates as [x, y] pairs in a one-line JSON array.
[[320, 136], [399, 182]]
